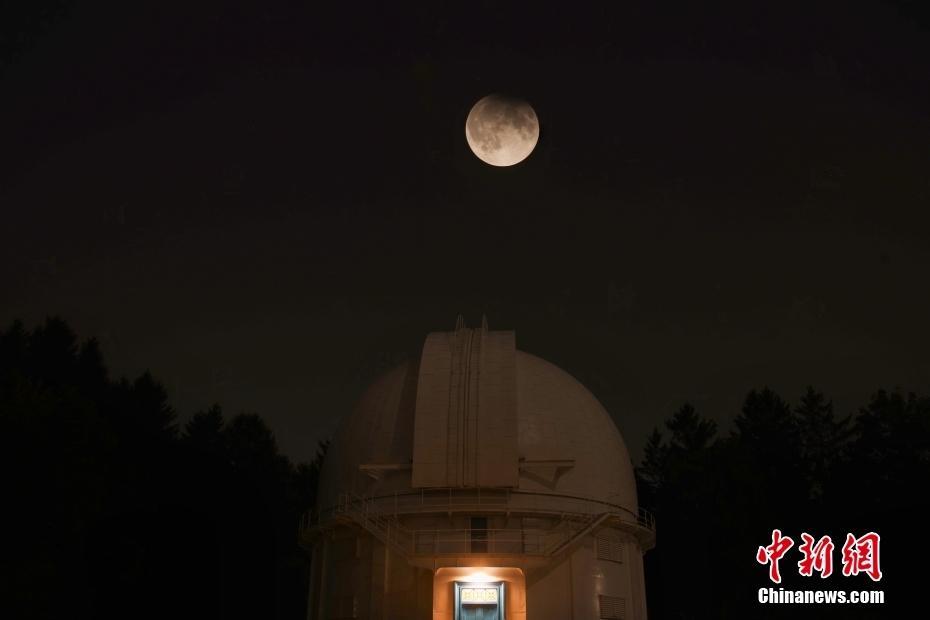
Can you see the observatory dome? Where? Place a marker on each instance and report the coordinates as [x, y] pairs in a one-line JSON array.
[[477, 481], [565, 441]]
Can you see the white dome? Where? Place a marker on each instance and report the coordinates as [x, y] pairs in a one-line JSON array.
[[567, 443]]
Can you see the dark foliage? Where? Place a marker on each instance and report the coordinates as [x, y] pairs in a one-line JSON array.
[[803, 469], [113, 512]]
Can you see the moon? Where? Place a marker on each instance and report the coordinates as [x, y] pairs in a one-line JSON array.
[[502, 130]]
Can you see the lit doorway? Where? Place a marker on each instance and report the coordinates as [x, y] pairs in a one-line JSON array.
[[479, 601]]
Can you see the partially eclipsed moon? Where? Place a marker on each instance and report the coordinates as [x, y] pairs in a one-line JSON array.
[[502, 131]]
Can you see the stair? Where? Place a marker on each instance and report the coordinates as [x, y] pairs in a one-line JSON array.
[[572, 529], [386, 529]]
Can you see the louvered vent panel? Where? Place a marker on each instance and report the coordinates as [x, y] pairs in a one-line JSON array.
[[612, 607], [609, 549]]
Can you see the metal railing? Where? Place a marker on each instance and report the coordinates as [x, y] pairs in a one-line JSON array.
[[462, 541], [457, 500], [380, 516]]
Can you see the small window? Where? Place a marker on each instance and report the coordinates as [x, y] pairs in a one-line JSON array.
[[479, 534], [609, 549], [612, 607]]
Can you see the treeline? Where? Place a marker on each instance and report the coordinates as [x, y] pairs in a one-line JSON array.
[[799, 468], [113, 510]]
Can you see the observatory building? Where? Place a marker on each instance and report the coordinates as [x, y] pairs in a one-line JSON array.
[[477, 481]]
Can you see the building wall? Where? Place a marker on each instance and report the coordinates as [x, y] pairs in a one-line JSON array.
[[355, 576], [572, 588], [547, 593]]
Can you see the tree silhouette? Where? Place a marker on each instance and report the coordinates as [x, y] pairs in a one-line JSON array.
[[800, 469], [823, 439], [690, 433], [651, 474], [203, 433], [115, 512]]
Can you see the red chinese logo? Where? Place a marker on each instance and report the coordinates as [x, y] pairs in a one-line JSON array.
[[817, 557], [772, 554], [860, 555]]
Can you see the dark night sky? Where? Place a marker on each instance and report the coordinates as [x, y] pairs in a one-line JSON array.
[[265, 203]]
